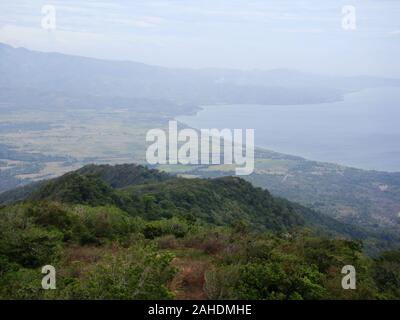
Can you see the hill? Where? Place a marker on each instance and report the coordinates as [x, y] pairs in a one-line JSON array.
[[153, 195], [128, 232]]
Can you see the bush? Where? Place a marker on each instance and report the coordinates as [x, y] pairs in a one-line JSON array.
[[167, 242], [174, 226], [137, 273], [105, 222], [25, 243], [22, 284], [152, 231], [386, 273]]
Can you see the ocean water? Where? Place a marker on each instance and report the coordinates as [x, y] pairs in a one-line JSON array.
[[363, 131]]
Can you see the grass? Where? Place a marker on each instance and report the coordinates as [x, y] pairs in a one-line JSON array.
[[191, 264]]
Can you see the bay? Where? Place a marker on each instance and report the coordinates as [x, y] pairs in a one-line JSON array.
[[361, 131]]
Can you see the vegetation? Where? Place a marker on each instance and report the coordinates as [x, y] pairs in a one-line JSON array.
[[158, 237]]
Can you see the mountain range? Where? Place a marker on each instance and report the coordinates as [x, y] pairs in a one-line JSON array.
[[35, 78]]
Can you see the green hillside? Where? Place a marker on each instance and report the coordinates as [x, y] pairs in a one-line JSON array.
[[128, 232], [152, 195]]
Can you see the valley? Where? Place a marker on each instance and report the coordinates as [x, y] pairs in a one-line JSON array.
[[56, 125]]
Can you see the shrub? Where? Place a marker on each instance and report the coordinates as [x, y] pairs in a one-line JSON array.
[[25, 243], [174, 226], [137, 273], [21, 284], [167, 242]]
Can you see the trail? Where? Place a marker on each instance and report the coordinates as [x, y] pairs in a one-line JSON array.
[[188, 283]]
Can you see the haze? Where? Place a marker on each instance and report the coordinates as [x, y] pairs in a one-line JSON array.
[[304, 35]]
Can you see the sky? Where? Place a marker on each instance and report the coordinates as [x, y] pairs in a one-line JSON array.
[[305, 35]]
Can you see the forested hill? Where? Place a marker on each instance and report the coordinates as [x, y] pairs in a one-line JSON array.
[[152, 195], [117, 176], [128, 232]]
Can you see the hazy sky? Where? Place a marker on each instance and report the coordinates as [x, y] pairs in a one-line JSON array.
[[301, 34]]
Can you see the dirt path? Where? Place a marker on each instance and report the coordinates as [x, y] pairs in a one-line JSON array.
[[188, 284]]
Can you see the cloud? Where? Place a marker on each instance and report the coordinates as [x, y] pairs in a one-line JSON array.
[[207, 33], [299, 30], [395, 32], [143, 22]]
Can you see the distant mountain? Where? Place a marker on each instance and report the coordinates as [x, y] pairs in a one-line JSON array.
[[29, 77]]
